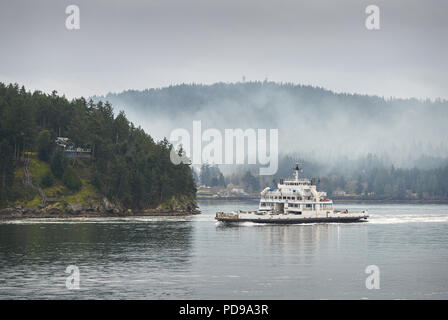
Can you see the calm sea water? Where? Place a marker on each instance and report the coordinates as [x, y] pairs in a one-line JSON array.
[[198, 258]]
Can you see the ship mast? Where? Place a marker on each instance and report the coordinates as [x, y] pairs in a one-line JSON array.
[[296, 175]]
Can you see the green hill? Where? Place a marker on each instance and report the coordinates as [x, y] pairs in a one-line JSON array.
[[123, 169], [309, 119]]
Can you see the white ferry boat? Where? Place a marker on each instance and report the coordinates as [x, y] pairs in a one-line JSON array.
[[294, 201]]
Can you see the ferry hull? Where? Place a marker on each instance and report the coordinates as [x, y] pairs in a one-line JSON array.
[[295, 221]]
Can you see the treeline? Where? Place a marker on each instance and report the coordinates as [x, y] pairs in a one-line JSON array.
[[211, 176], [127, 165], [188, 98], [376, 177], [369, 177], [391, 183], [348, 123]]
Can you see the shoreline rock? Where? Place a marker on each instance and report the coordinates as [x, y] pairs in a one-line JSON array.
[[14, 214], [104, 208]]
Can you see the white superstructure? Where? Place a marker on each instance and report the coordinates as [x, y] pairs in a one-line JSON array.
[[296, 196]]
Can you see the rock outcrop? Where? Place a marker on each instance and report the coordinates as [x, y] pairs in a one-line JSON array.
[[175, 206]]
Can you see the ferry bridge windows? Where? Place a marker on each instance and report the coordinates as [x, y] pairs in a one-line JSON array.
[[266, 204]]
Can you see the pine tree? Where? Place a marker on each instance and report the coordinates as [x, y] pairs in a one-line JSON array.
[[44, 145]]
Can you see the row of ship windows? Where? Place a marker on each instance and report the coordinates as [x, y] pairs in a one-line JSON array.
[[296, 184], [297, 205], [287, 198]]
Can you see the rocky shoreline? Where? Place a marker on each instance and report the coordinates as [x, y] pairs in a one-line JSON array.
[[99, 209], [18, 215]]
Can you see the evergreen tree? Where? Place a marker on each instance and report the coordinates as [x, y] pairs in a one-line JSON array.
[[47, 180], [44, 145], [6, 169], [71, 179], [58, 164], [250, 183]]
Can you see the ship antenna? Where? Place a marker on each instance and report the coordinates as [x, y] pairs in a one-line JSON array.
[[297, 170]]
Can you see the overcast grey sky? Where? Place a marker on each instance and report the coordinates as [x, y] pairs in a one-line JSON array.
[[142, 44]]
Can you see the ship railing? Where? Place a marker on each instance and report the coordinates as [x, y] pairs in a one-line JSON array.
[[227, 215]]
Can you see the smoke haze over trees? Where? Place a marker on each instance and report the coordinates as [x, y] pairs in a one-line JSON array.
[[365, 145], [311, 120]]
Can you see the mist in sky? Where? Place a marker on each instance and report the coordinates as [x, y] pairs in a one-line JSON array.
[[144, 44]]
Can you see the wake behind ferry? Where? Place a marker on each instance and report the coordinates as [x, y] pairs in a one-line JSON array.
[[294, 201]]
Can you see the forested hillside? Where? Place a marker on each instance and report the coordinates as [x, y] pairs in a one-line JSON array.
[[370, 147], [372, 177], [309, 119], [126, 166], [366, 178]]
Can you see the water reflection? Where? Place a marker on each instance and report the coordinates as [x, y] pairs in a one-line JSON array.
[[111, 256], [198, 258], [296, 244]]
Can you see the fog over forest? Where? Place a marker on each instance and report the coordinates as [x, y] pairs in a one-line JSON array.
[[313, 123]]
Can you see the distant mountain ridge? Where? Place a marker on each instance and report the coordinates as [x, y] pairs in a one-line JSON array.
[[308, 118]]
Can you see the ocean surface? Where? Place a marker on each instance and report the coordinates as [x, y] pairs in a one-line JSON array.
[[198, 258]]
